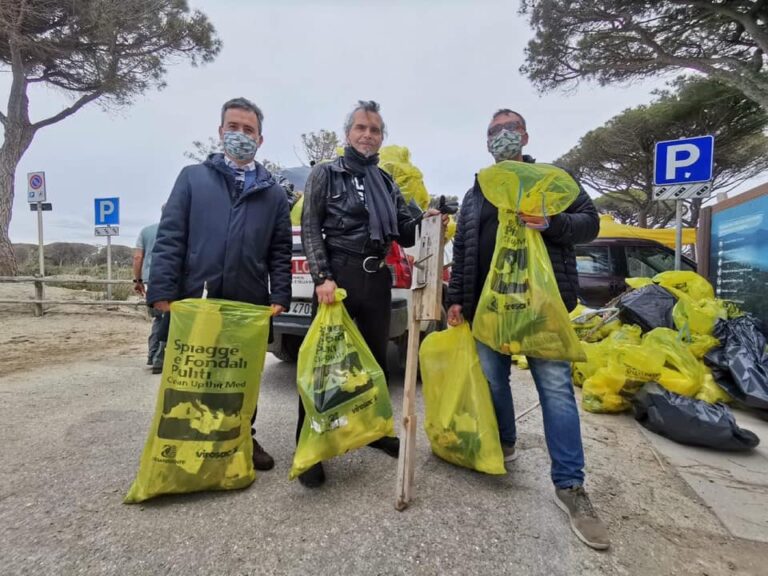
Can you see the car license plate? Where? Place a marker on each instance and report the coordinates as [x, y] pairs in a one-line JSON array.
[[300, 308]]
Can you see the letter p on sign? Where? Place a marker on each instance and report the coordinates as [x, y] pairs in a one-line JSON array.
[[107, 211], [680, 156], [684, 161]]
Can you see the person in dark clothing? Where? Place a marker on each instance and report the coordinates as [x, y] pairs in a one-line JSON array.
[[472, 254], [226, 226], [352, 212]]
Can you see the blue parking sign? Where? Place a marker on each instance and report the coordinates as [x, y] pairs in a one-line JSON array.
[[683, 161], [107, 211]]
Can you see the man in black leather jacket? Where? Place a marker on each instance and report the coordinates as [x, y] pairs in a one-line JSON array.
[[472, 253], [352, 211]]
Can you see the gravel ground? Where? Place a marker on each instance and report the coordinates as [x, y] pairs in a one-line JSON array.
[[77, 402]]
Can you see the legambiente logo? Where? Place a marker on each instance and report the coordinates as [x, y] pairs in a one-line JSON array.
[[168, 455], [169, 451]]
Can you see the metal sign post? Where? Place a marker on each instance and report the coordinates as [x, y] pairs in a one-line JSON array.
[[426, 304], [678, 234], [36, 195], [107, 212], [682, 170]]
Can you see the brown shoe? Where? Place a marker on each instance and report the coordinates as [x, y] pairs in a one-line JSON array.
[[584, 521], [261, 460]]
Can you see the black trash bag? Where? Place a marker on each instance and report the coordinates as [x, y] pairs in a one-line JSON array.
[[690, 421], [740, 363], [649, 307]]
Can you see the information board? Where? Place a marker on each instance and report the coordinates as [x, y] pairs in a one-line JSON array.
[[738, 254]]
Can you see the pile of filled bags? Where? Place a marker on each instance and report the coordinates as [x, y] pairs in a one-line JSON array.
[[677, 355]]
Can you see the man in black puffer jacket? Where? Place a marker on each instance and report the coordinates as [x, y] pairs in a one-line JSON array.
[[472, 255]]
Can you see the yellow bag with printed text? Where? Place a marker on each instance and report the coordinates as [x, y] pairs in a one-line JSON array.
[[626, 368], [342, 389], [520, 309], [459, 417], [200, 438]]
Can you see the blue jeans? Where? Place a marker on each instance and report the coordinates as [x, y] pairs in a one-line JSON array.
[[558, 405]]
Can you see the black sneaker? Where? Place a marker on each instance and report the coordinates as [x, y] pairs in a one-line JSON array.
[[388, 444], [314, 477], [261, 460]]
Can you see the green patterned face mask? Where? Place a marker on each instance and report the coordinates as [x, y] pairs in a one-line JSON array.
[[505, 145]]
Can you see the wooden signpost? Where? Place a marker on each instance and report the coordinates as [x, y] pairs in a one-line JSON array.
[[426, 304]]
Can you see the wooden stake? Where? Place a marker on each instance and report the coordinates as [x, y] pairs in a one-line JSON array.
[[426, 304]]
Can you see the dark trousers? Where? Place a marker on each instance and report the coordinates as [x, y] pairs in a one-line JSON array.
[[369, 303], [153, 342]]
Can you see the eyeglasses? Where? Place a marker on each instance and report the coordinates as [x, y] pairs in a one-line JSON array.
[[513, 125]]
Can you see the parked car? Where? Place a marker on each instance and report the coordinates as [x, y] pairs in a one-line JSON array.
[[605, 263]]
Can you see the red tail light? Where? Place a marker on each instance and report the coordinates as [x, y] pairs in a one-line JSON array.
[[401, 266]]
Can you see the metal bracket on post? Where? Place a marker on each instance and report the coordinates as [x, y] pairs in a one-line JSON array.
[[426, 304]]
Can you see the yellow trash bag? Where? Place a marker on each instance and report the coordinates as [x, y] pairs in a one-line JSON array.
[[700, 344], [683, 373], [296, 211], [637, 282], [685, 281], [396, 161], [596, 358], [450, 229], [521, 361], [342, 388], [698, 317], [601, 392], [535, 189], [589, 326], [710, 391], [627, 334], [625, 368], [520, 309], [200, 437], [637, 364], [459, 417]]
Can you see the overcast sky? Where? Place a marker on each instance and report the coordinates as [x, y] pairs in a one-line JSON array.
[[439, 71]]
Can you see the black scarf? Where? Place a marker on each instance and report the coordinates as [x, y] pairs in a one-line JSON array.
[[382, 220]]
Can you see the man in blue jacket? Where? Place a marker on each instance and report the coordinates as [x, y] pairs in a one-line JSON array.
[[227, 226], [472, 255]]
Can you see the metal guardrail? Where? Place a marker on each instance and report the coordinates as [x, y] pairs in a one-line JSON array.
[[39, 301]]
